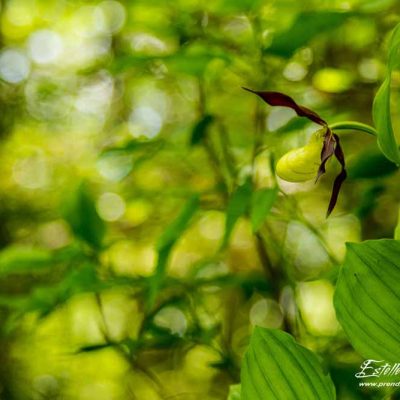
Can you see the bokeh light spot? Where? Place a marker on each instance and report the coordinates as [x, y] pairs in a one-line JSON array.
[[14, 66]]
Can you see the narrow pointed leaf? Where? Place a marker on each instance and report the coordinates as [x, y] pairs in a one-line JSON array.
[[173, 231], [383, 123], [261, 204], [367, 298], [20, 260], [276, 367], [238, 206], [81, 214], [381, 107], [167, 241]]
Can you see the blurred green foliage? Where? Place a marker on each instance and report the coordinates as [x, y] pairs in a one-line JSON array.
[[143, 231]]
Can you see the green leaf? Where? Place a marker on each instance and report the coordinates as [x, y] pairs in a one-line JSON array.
[[237, 206], [261, 204], [370, 163], [19, 260], [166, 242], [44, 299], [367, 299], [193, 60], [234, 392], [306, 26], [276, 367], [80, 212], [381, 106], [383, 122], [173, 231], [242, 5], [200, 129], [369, 200]]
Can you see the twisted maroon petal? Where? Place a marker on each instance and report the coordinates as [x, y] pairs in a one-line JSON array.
[[283, 100]]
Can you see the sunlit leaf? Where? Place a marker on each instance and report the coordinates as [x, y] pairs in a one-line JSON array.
[[306, 26], [80, 212], [367, 300], [261, 204], [234, 392], [18, 260], [238, 206], [276, 367], [237, 6], [381, 107], [397, 229]]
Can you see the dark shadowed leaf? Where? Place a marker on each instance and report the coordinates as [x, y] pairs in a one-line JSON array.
[[367, 300], [306, 26], [200, 129], [370, 164], [261, 204], [276, 367], [369, 200], [96, 347], [44, 299], [80, 212], [238, 206]]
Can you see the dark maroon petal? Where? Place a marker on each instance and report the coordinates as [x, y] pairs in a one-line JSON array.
[[339, 179], [335, 191], [280, 99], [339, 151], [328, 150]]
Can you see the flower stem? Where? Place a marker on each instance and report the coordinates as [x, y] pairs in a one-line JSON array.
[[353, 125]]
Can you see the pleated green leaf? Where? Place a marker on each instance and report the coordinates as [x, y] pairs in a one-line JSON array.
[[367, 298], [277, 368]]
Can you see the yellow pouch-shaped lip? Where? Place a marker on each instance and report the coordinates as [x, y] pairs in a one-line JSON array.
[[300, 165]]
